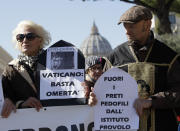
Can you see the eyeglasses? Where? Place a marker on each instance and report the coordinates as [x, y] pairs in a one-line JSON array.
[[28, 36], [95, 68]]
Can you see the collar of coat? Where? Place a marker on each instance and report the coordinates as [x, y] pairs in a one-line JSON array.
[[22, 71]]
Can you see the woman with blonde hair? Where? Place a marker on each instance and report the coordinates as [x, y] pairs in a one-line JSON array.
[[18, 79]]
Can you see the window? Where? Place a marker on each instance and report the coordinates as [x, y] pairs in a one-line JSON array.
[[172, 18]]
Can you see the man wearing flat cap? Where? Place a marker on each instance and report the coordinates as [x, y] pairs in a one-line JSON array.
[[154, 66]]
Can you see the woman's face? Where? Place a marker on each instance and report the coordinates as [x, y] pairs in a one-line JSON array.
[[95, 71], [28, 41]]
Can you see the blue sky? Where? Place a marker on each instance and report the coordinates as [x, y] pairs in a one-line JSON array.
[[64, 19]]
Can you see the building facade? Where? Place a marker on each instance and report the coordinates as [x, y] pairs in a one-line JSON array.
[[174, 19], [95, 44], [5, 58], [175, 22]]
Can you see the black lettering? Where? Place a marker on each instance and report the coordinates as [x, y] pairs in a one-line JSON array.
[[90, 126], [81, 127], [78, 74], [55, 74], [115, 103], [28, 130], [44, 129], [75, 93], [48, 93], [44, 75], [61, 128], [114, 111], [52, 84], [50, 75], [62, 74], [64, 83], [72, 74], [66, 74], [105, 78], [114, 95], [110, 127], [55, 93], [103, 120], [102, 127], [61, 93], [71, 83], [113, 119], [74, 127], [120, 78], [58, 84], [107, 111]]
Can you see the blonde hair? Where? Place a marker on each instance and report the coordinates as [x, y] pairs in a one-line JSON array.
[[39, 30]]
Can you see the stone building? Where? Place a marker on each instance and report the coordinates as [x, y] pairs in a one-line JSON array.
[[95, 44], [174, 19], [5, 58]]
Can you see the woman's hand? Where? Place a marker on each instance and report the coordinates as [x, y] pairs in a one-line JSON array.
[[89, 93], [87, 88], [8, 107], [32, 102], [92, 101]]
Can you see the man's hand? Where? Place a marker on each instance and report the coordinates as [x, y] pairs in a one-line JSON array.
[[32, 102], [8, 107], [141, 104]]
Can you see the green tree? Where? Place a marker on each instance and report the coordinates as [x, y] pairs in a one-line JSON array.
[[161, 9], [170, 40]]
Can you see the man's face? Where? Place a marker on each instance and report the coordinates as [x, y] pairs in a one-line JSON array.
[[137, 31]]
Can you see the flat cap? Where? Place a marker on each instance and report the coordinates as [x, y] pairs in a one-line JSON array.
[[136, 14]]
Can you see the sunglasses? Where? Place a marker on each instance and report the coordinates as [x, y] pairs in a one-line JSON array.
[[28, 36]]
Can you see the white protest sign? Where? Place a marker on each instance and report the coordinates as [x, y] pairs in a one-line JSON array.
[[61, 58], [1, 95], [116, 91], [61, 84], [61, 118]]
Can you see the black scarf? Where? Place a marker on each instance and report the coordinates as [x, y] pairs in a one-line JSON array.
[[29, 63]]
